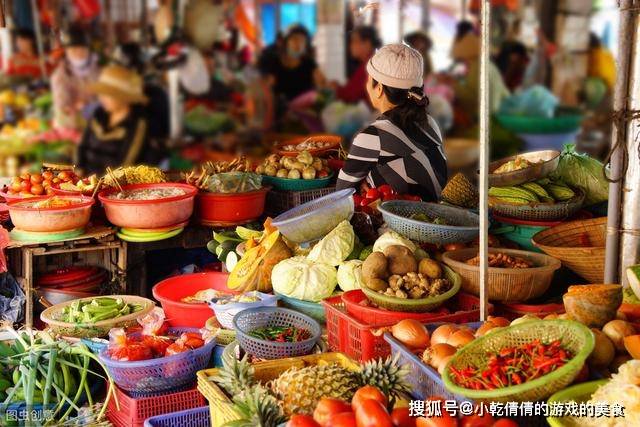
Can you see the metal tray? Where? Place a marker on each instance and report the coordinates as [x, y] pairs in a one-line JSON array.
[[550, 159]]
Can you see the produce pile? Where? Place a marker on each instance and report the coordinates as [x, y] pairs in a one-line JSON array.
[[306, 145], [147, 194], [96, 310], [281, 333], [209, 169], [541, 191], [501, 260], [38, 184], [125, 347], [140, 174], [304, 166]]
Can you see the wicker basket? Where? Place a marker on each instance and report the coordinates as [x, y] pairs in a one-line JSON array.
[[566, 242], [538, 211], [281, 201], [416, 305], [98, 329], [463, 228], [505, 284], [574, 336], [333, 140], [220, 405]]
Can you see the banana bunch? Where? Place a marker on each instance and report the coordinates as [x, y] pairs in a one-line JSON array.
[[224, 244], [541, 191]]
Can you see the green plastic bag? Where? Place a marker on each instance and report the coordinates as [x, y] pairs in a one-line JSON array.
[[584, 172]]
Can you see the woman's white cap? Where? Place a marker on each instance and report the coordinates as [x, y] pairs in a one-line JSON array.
[[398, 66]]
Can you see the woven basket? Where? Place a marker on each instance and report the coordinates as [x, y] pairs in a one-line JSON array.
[[505, 284], [463, 228], [98, 329], [538, 211], [566, 243], [333, 140], [416, 305], [574, 336]]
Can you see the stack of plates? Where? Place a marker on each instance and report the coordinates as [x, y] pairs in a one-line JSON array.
[[70, 283], [141, 235], [44, 236]]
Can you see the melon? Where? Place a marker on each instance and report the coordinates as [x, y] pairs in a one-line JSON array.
[[593, 305], [253, 270]]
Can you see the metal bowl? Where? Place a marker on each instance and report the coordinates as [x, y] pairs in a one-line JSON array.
[[550, 159]]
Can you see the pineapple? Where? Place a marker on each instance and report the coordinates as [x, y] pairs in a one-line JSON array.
[[388, 376], [256, 408], [460, 192], [236, 376], [299, 390]]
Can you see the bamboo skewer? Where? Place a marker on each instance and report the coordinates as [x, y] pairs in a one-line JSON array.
[[115, 180]]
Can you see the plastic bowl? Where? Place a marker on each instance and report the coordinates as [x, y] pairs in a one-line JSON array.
[[313, 220], [170, 292], [14, 197], [230, 208], [54, 219], [149, 213]]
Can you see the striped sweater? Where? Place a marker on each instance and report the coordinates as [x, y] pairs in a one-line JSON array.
[[411, 162]]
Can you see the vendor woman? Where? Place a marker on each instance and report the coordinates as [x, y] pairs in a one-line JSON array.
[[403, 147], [117, 132]]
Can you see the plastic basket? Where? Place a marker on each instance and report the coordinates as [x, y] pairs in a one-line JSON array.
[[286, 184], [578, 393], [254, 318], [505, 284], [163, 375], [196, 417], [134, 411], [538, 211], [362, 341], [281, 201], [464, 226], [313, 220], [315, 310], [225, 312], [220, 406], [574, 336]]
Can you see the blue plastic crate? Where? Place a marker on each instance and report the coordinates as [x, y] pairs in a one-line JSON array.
[[197, 417]]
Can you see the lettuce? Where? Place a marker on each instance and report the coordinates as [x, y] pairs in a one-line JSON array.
[[335, 247], [350, 275], [303, 279]]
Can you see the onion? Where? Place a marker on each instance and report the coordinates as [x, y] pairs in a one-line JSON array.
[[484, 328], [434, 355], [442, 333], [616, 330], [443, 364], [499, 321], [603, 351], [411, 333], [460, 339]]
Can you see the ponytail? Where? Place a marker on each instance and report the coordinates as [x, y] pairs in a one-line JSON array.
[[410, 106]]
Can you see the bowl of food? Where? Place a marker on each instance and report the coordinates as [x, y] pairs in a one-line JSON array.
[[51, 213], [523, 168], [27, 185], [302, 172], [314, 144], [226, 307], [149, 206]]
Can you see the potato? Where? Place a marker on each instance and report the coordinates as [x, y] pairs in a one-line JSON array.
[[401, 260], [375, 266], [430, 268], [376, 284]]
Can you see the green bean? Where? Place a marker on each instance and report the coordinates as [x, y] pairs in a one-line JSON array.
[[83, 378]]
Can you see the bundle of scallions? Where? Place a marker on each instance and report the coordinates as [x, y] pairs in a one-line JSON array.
[[49, 376]]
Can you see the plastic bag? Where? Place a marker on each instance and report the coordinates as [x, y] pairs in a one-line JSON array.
[[234, 182], [537, 101], [581, 171], [12, 299]]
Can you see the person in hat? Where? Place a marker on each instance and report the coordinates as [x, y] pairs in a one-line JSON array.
[[117, 133], [72, 101], [403, 147]]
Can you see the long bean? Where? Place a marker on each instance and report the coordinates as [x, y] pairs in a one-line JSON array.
[[53, 355]]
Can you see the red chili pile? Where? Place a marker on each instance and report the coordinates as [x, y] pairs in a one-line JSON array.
[[513, 365], [382, 193], [126, 347]]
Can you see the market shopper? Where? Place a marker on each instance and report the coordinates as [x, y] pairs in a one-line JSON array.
[[117, 133], [72, 100], [403, 147], [421, 42], [24, 62]]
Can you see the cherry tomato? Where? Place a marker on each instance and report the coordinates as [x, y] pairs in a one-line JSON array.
[[505, 422], [25, 185], [37, 189], [357, 199], [372, 413], [327, 407], [365, 202], [36, 178], [401, 418], [302, 421], [368, 392], [477, 421], [15, 186], [345, 419], [46, 183], [373, 194], [47, 175], [385, 190]]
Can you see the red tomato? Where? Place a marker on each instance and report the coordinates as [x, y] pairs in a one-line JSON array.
[[15, 186], [25, 176], [385, 190], [372, 413], [505, 422], [302, 421], [25, 185], [372, 194], [345, 419], [401, 418], [368, 392], [477, 421], [36, 178], [47, 175], [364, 202], [37, 189], [357, 199], [323, 173], [328, 407]]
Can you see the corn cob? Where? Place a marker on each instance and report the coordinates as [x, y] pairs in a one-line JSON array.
[[513, 192], [560, 192], [538, 190]]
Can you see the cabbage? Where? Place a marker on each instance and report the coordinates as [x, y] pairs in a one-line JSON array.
[[335, 247], [392, 238], [301, 278], [584, 172], [350, 275]]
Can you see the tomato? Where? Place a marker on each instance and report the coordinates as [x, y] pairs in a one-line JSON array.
[[15, 186], [401, 418], [302, 421], [445, 420], [368, 392], [47, 175], [372, 194], [372, 413], [328, 407], [454, 246], [385, 190], [37, 189], [344, 419], [505, 422], [477, 421], [25, 176], [36, 178], [64, 176], [25, 185], [357, 199], [364, 202], [175, 348]]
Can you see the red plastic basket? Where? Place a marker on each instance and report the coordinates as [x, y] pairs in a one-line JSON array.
[[133, 412], [513, 311], [361, 341]]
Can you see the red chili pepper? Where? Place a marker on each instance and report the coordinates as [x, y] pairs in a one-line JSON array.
[[515, 378]]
